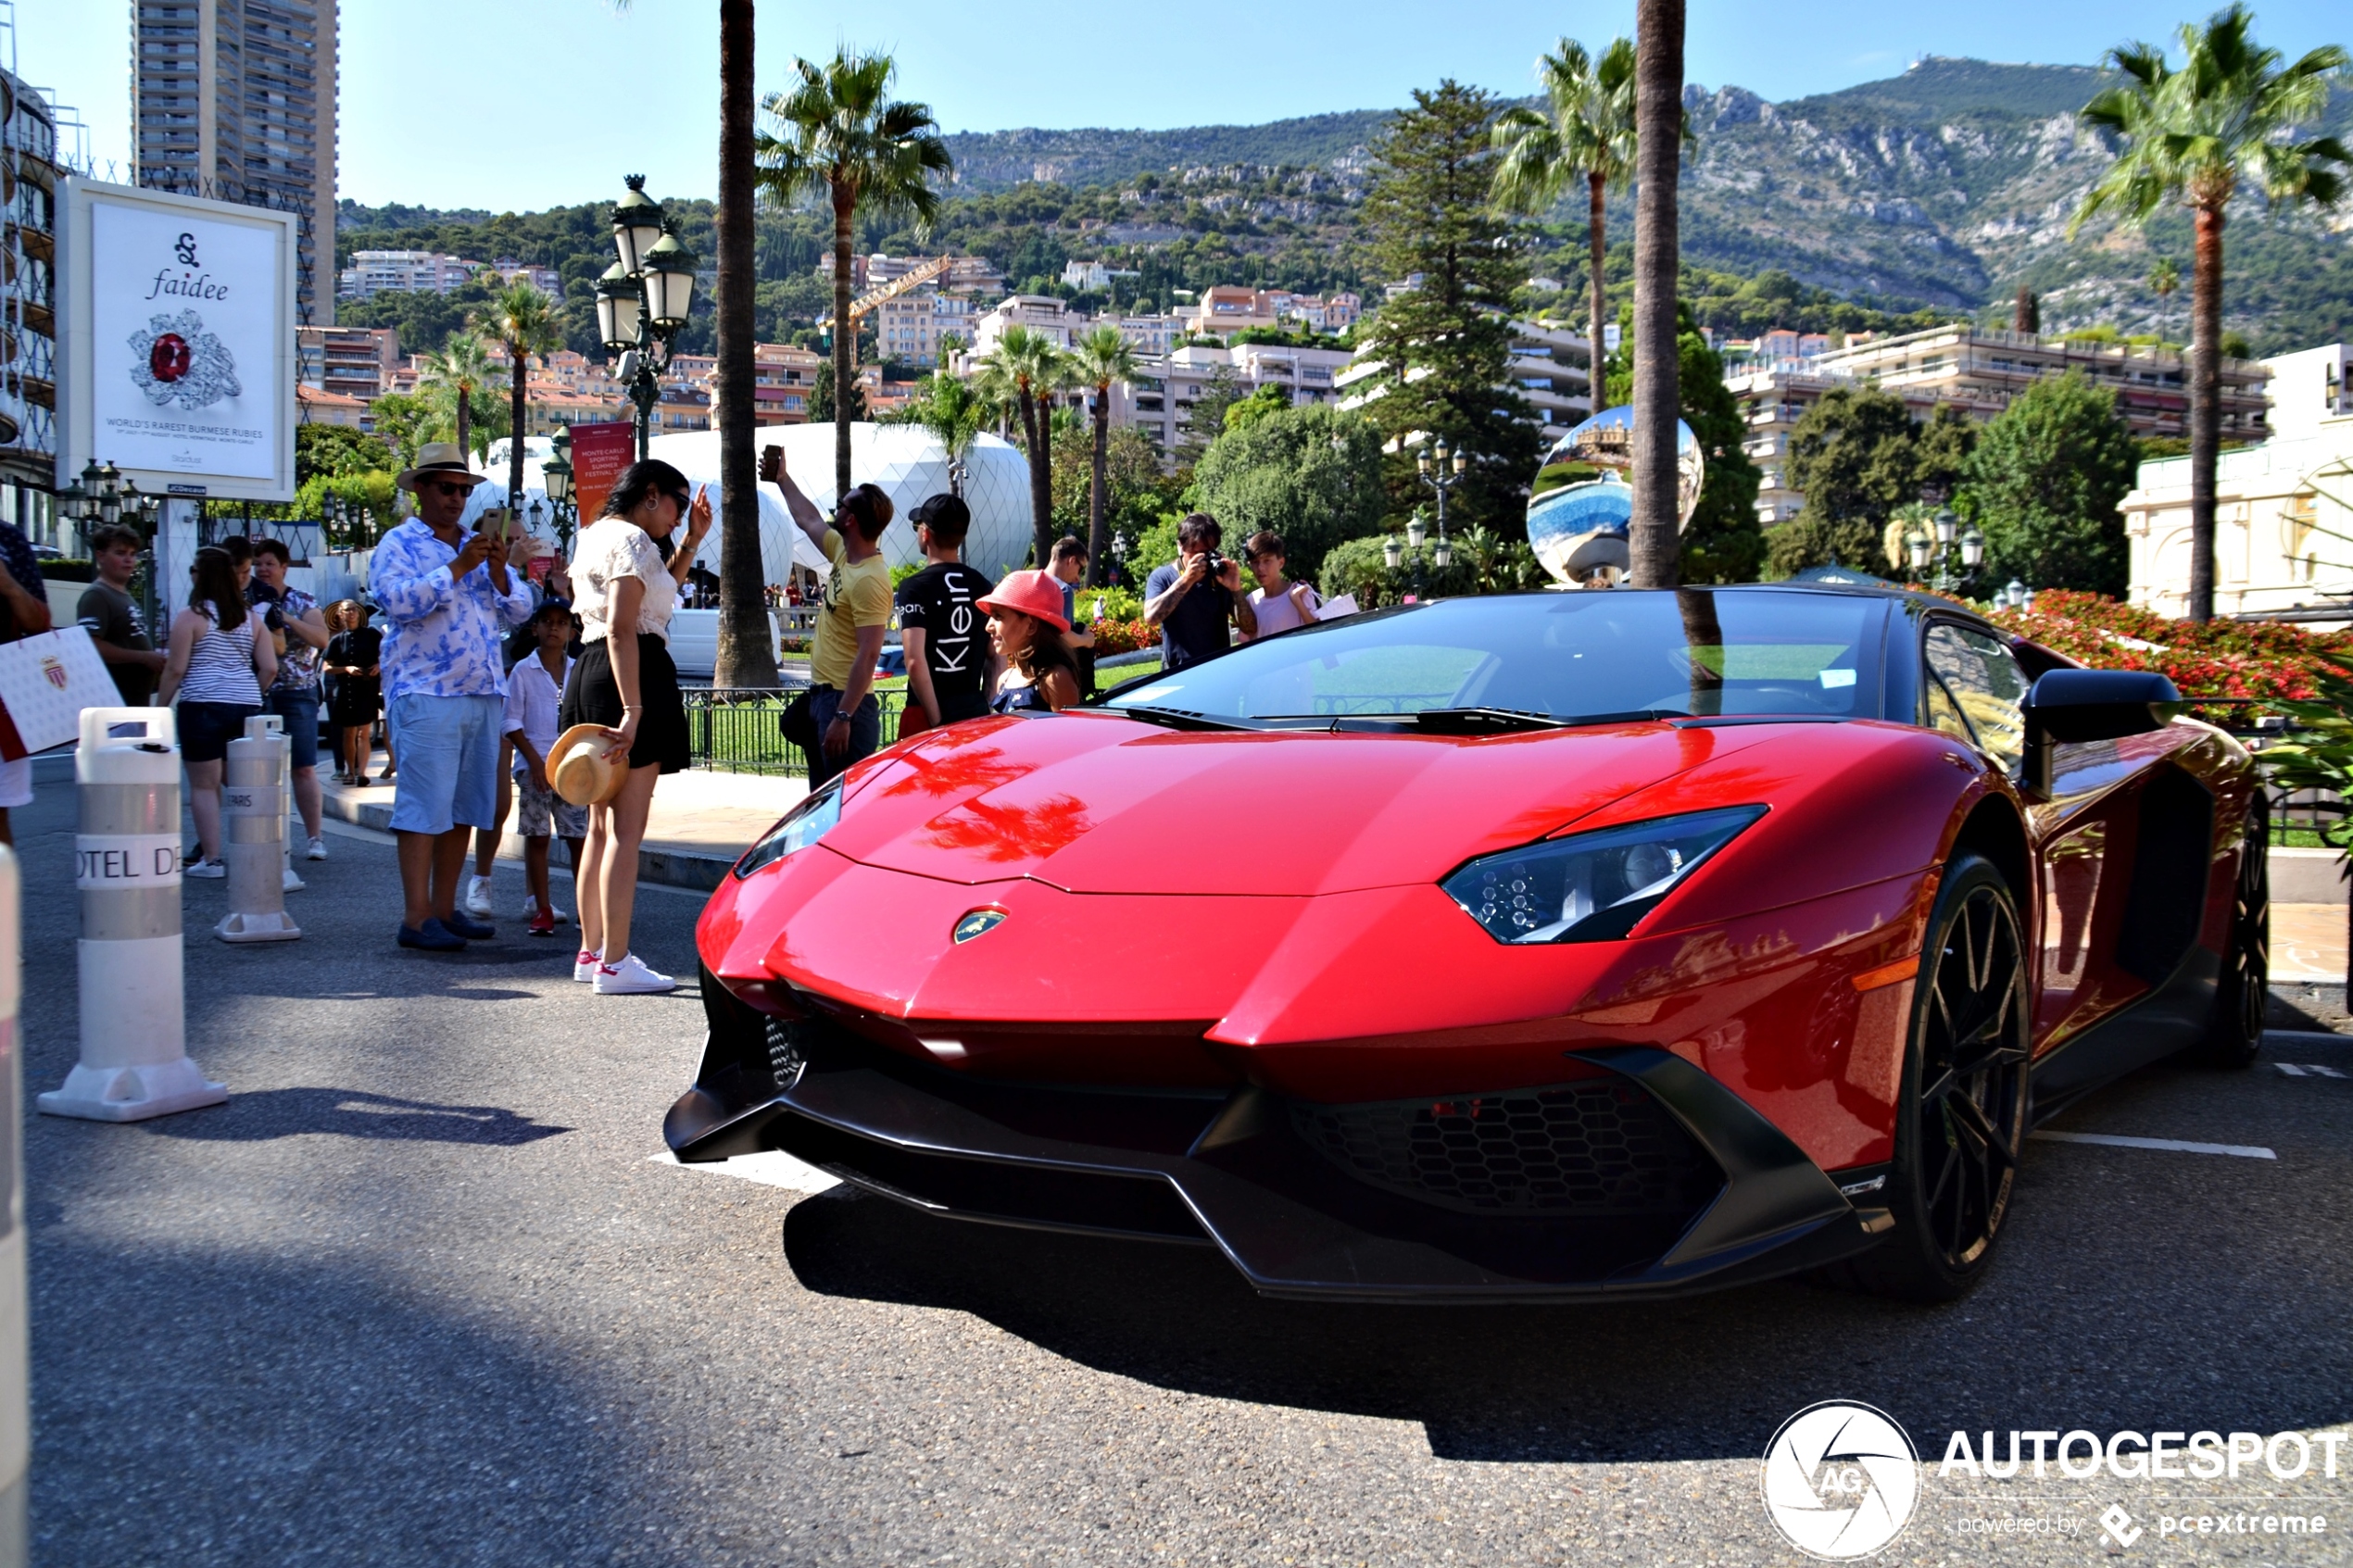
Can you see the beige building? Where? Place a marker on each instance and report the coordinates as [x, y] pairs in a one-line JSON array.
[[1977, 370], [2283, 510], [353, 361]]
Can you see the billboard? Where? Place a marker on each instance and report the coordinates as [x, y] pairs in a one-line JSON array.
[[176, 339], [599, 454]]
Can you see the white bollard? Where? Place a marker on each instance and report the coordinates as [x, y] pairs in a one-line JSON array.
[[135, 1044], [253, 835], [16, 1358]]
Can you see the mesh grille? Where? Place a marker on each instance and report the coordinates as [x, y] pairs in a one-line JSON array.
[[1589, 1147]]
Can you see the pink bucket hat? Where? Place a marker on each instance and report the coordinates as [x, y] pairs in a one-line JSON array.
[[1032, 593]]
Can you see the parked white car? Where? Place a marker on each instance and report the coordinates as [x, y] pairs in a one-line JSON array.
[[694, 642]]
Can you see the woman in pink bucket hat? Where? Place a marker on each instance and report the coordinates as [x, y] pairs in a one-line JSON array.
[[1025, 624]]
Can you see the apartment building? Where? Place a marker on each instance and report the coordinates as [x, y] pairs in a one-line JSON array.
[[1091, 277], [422, 272], [29, 160], [2283, 510], [908, 328], [359, 362], [783, 377], [235, 99], [1545, 368], [1160, 401], [966, 274], [1977, 370], [547, 280], [314, 406], [1039, 312]]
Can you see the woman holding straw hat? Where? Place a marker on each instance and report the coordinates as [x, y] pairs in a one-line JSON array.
[[625, 685], [1025, 624]]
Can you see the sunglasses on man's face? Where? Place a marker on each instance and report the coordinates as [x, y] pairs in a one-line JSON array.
[[447, 490]]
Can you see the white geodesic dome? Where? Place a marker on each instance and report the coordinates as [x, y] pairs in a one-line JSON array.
[[906, 462]]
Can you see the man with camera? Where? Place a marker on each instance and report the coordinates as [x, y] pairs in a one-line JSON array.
[[449, 599], [1192, 599]]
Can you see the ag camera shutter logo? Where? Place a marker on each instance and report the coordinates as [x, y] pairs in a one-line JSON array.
[[1840, 1480]]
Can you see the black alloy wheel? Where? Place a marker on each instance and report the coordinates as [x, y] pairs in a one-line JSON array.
[[1962, 1116], [2235, 1036]]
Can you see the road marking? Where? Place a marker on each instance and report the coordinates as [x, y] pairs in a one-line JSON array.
[[2244, 1151], [2308, 1069], [772, 1168]]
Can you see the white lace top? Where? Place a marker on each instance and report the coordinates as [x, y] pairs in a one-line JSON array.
[[609, 550]]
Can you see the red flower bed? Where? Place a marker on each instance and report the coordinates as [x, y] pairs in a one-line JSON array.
[[1123, 636], [2244, 660]]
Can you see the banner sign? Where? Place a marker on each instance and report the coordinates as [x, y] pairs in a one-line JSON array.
[[45, 682], [179, 342], [599, 453]]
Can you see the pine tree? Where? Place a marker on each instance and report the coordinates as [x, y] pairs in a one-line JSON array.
[[1446, 342]]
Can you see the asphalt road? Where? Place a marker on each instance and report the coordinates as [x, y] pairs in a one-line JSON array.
[[419, 1295]]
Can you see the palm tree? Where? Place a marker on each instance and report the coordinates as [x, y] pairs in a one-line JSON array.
[[953, 412], [1655, 544], [2230, 114], [451, 378], [1098, 358], [846, 138], [2165, 280], [1586, 129], [1028, 369], [525, 321]]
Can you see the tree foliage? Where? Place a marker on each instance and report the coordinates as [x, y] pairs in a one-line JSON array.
[[1723, 542], [1446, 342], [1853, 456], [1310, 473], [2044, 484], [338, 451]]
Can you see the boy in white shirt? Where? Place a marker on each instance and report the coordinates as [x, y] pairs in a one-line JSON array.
[[534, 692], [1280, 605]]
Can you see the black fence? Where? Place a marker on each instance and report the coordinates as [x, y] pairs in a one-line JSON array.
[[737, 731]]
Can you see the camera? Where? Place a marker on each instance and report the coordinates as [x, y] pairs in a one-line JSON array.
[[1214, 564]]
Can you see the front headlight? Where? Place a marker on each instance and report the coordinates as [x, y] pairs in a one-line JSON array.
[[1590, 886], [803, 826]]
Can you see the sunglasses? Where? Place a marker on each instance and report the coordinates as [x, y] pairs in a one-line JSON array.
[[447, 488]]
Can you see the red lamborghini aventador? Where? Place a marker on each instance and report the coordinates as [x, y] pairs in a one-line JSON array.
[[1542, 946]]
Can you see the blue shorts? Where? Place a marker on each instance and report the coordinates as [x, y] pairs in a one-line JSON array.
[[299, 705], [449, 748]]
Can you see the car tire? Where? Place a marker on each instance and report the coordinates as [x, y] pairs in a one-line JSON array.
[[1961, 1115], [2234, 1033]]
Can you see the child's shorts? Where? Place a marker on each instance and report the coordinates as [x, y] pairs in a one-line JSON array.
[[541, 812]]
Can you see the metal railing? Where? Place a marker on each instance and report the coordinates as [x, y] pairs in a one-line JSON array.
[[736, 730], [2305, 810]]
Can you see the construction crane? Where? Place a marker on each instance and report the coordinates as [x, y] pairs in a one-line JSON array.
[[906, 283]]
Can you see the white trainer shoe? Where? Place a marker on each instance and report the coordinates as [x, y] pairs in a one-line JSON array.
[[630, 977], [204, 868], [290, 883], [586, 963], [478, 898], [531, 908], [318, 850]]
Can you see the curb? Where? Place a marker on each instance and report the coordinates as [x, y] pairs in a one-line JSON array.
[[698, 871]]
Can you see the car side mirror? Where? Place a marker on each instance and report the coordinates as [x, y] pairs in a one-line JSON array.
[[2083, 705]]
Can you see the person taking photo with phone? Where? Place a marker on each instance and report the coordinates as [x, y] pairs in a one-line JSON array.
[[851, 617], [449, 599]]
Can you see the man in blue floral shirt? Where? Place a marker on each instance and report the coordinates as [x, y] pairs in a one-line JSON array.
[[448, 600]]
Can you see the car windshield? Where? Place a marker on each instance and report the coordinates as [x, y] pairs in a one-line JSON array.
[[1551, 657]]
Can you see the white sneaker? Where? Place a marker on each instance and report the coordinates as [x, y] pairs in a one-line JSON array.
[[204, 868], [318, 850], [290, 883], [585, 964], [478, 898], [630, 977], [531, 908]]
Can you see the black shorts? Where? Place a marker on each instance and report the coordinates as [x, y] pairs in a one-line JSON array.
[[590, 697], [207, 728]]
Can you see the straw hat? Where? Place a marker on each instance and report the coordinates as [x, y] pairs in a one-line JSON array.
[[440, 460], [1032, 593], [579, 769]]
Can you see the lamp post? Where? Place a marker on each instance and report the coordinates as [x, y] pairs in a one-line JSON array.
[[1943, 546], [642, 300], [555, 479], [1439, 552], [1441, 471]]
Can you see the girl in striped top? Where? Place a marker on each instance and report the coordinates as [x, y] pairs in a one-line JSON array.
[[218, 665]]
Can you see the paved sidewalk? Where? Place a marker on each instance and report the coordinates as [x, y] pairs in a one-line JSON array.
[[702, 820]]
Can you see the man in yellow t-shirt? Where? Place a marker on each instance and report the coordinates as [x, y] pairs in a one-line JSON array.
[[851, 617]]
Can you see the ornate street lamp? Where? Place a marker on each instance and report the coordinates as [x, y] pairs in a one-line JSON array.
[[643, 300], [1940, 549], [1441, 471]]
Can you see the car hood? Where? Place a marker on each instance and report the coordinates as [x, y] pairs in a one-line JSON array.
[[1094, 803]]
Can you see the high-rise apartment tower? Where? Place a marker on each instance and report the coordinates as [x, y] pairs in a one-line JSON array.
[[235, 99]]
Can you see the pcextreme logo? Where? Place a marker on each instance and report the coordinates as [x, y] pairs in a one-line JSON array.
[[1840, 1480]]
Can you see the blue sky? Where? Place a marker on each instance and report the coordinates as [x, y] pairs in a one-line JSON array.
[[511, 103]]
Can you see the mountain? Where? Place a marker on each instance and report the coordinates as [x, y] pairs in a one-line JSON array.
[[997, 160]]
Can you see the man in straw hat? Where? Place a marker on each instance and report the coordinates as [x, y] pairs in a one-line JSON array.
[[447, 599]]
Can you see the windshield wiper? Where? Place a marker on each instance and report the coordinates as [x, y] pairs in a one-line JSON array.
[[1503, 721], [1174, 717]]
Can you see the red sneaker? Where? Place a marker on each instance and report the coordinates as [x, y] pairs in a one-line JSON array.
[[543, 923]]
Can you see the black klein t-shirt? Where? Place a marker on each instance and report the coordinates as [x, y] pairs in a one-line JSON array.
[[943, 602]]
